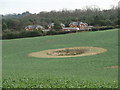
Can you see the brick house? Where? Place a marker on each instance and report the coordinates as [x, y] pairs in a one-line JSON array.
[[33, 27], [77, 26]]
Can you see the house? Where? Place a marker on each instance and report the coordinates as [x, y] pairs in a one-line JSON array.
[[80, 25], [29, 28], [33, 27], [39, 27], [77, 26], [62, 25], [73, 24], [51, 25]]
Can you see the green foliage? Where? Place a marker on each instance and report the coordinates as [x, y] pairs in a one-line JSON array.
[[8, 34], [51, 32], [11, 24], [57, 26], [56, 83], [23, 71], [103, 28], [4, 26], [31, 33], [91, 16]]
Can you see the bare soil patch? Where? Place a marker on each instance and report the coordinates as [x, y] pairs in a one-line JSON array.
[[113, 67], [68, 52]]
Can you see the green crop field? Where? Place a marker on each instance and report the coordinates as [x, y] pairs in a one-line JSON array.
[[23, 71]]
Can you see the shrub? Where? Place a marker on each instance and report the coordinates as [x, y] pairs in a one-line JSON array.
[[10, 35], [51, 33], [21, 34], [56, 32], [96, 28], [31, 33]]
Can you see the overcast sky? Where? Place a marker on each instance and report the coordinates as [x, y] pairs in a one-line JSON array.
[[35, 6]]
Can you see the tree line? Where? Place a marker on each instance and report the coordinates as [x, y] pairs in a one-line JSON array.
[[92, 16]]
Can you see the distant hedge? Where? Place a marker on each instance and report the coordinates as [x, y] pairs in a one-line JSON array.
[[97, 28], [10, 34], [56, 32], [21, 34]]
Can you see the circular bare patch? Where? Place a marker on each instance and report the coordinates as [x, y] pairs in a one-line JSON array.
[[68, 52]]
